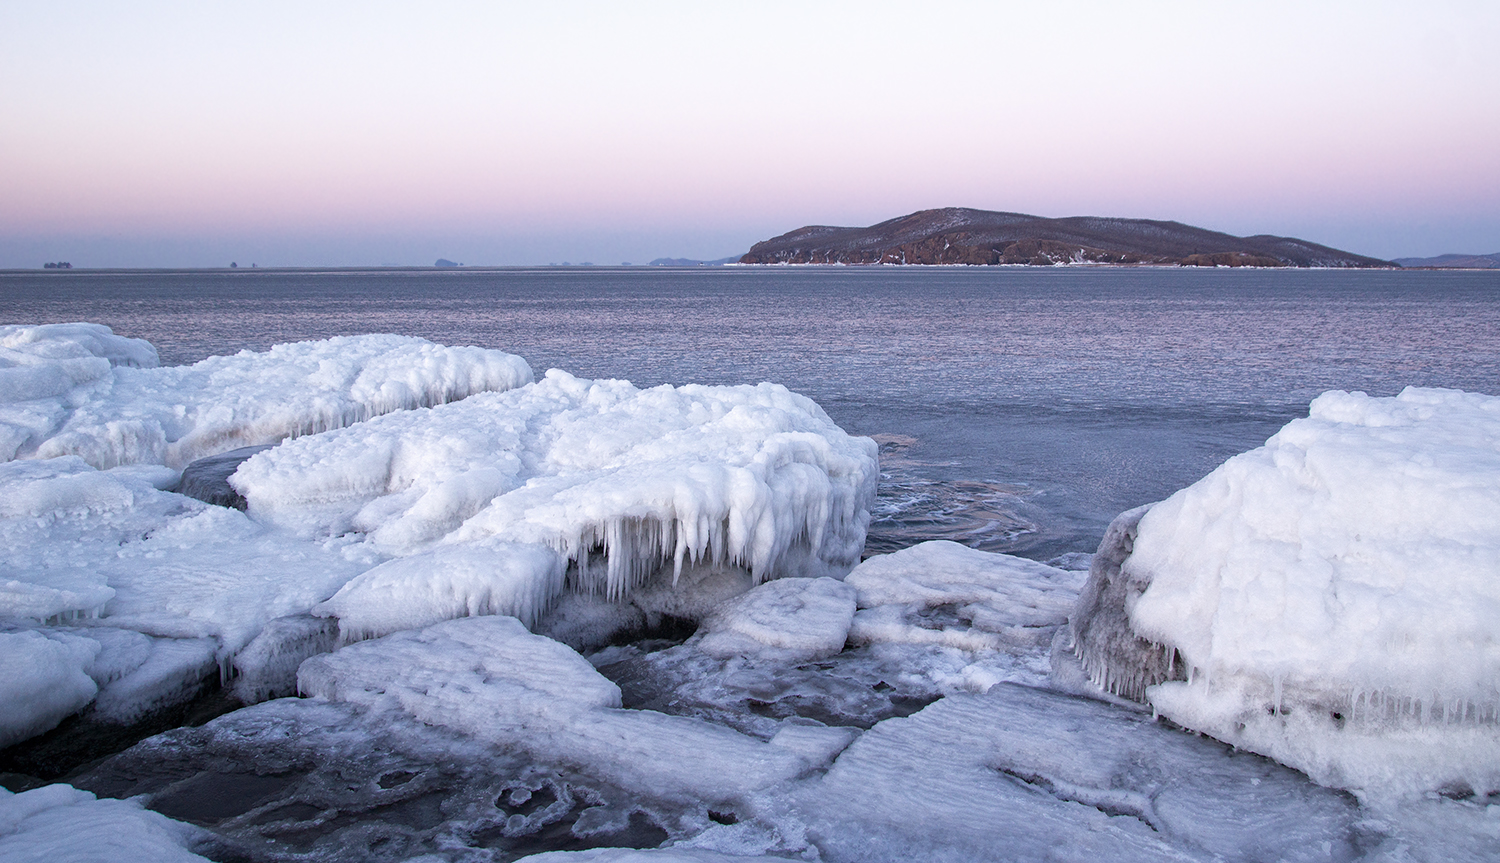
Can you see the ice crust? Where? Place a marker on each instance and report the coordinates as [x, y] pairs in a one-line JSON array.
[[736, 671], [142, 594], [615, 481], [61, 824], [1334, 595], [791, 618], [78, 389], [489, 678], [1020, 774]]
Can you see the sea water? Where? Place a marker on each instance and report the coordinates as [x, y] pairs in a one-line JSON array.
[[1018, 409]]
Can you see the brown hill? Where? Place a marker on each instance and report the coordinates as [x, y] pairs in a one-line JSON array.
[[957, 235]]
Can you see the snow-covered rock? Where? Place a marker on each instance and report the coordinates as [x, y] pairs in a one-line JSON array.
[[1334, 596], [77, 389]]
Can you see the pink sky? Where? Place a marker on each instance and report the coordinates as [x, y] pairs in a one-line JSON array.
[[361, 133]]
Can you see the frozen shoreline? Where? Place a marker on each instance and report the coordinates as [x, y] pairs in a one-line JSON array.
[[814, 663]]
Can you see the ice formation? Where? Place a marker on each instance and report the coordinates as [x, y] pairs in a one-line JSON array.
[[42, 680], [1334, 595], [78, 389], [902, 630], [1114, 657], [61, 824], [634, 855], [1022, 774], [116, 594], [615, 481], [994, 600], [794, 619], [491, 679]]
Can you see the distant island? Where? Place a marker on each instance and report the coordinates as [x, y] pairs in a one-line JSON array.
[[957, 235], [692, 262], [1455, 262]]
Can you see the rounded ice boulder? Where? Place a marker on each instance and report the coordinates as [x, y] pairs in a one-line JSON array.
[[1333, 597]]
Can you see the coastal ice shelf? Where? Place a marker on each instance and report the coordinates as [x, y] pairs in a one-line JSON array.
[[457, 568], [120, 596]]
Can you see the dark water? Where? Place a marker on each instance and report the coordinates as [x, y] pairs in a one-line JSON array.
[[1019, 409]]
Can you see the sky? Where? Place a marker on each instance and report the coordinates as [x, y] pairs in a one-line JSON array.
[[366, 133]]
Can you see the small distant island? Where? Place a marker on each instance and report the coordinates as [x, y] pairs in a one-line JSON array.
[[692, 262], [957, 235], [57, 265], [1454, 262]]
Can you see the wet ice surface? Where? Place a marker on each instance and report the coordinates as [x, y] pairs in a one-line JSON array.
[[300, 779], [475, 740]]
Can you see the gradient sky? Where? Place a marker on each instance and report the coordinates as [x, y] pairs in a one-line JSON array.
[[354, 133]]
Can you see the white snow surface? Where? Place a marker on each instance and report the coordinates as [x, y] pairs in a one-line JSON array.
[[491, 679], [61, 824], [616, 481], [78, 389], [1335, 594]]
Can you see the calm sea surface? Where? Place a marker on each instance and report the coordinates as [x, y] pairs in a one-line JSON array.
[[1019, 409]]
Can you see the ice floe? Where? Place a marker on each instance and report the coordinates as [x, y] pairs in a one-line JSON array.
[[1330, 599]]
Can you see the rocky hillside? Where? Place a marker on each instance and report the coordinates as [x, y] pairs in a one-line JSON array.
[[1464, 262], [956, 235]]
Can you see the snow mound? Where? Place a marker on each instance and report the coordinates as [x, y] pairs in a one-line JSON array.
[[61, 824], [492, 680], [1335, 594], [83, 543], [77, 389], [794, 619], [617, 481]]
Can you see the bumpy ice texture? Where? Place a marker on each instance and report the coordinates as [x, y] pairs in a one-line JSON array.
[[77, 389], [1335, 594], [1025, 774], [117, 594], [795, 619], [491, 679], [488, 502]]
